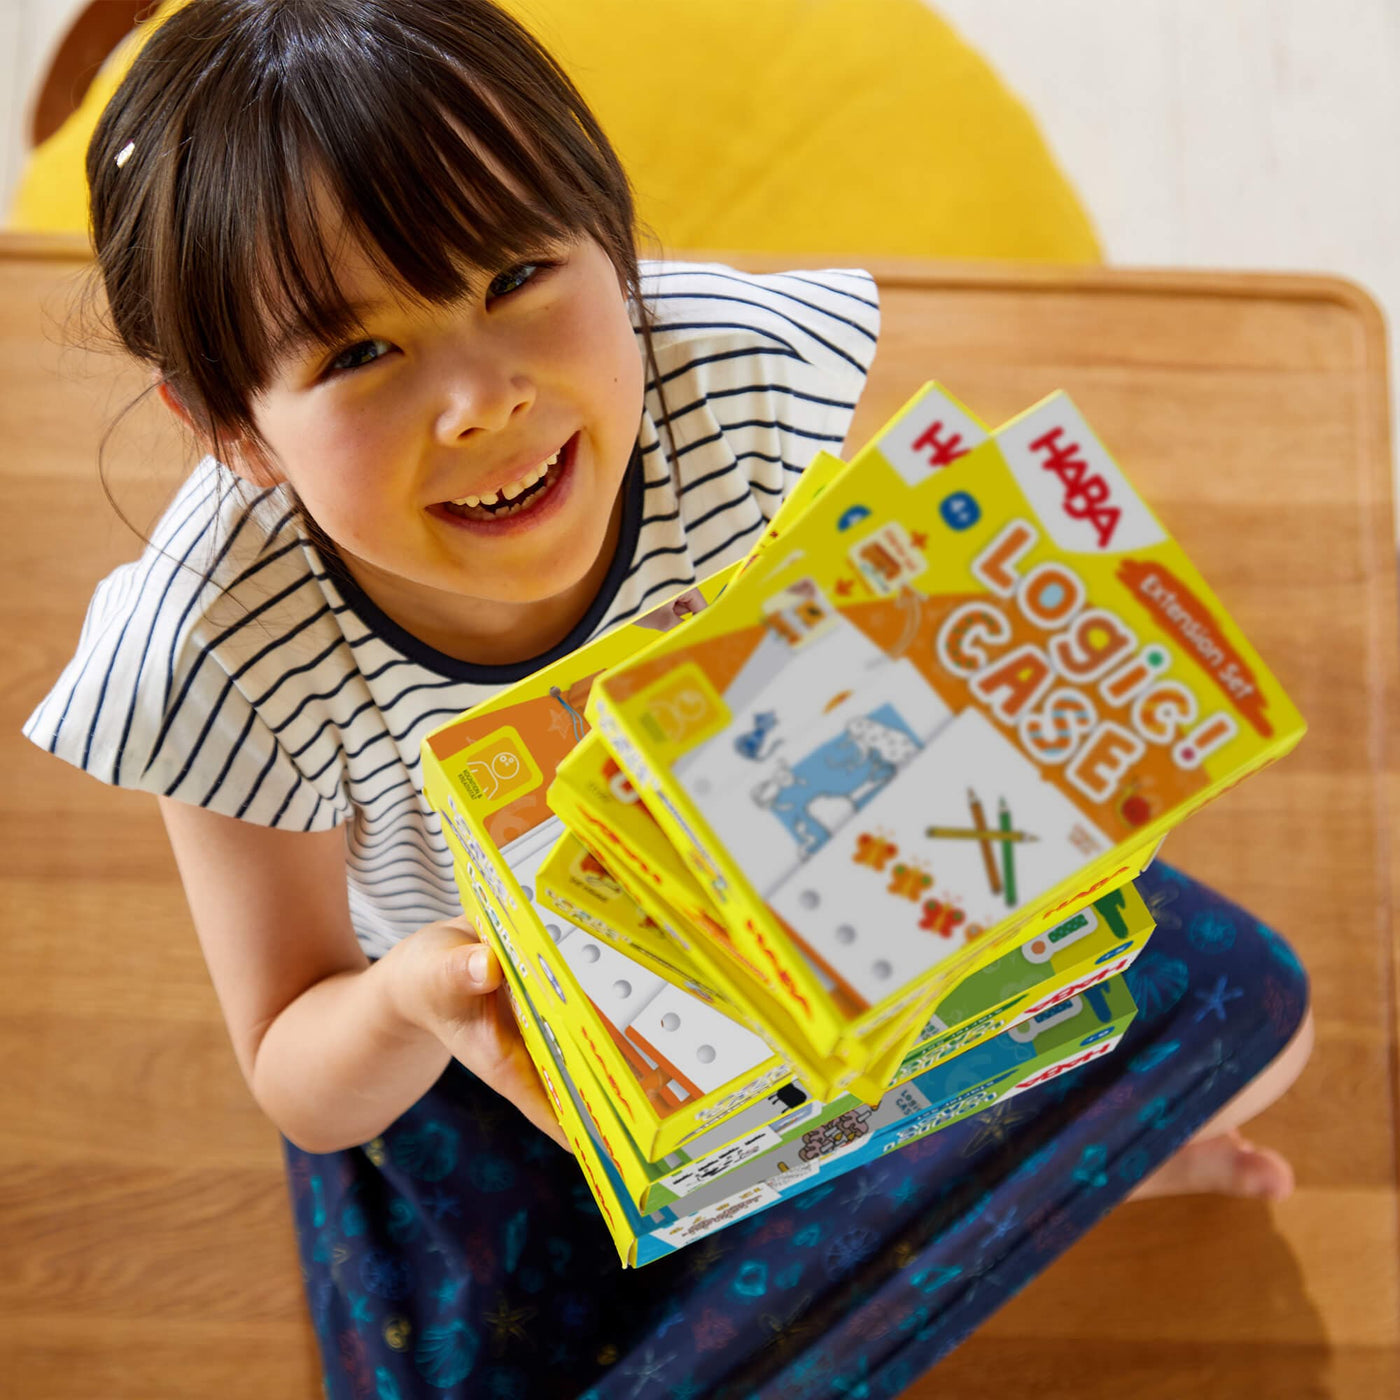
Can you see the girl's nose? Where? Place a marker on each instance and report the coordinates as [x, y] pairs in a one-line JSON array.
[[476, 395]]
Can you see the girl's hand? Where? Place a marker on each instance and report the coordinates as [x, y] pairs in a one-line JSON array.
[[449, 984], [665, 617]]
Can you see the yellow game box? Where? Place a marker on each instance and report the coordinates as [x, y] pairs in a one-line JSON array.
[[636, 1179], [720, 1188], [673, 1061], [601, 807], [604, 812], [637, 917], [577, 884], [970, 687], [1099, 941]]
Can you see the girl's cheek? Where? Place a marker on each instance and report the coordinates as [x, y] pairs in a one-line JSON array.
[[348, 445], [341, 463]]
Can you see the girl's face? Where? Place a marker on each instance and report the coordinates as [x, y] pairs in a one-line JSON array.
[[465, 453]]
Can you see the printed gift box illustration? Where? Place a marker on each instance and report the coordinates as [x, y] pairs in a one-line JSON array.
[[970, 687]]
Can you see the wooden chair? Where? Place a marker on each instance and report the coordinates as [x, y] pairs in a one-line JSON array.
[[146, 1249]]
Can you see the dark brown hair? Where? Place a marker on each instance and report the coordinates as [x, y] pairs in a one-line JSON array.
[[206, 164]]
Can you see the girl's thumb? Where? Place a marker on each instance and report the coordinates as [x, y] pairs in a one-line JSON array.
[[479, 968]]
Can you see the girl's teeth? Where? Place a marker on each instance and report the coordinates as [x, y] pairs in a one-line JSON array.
[[523, 483], [511, 490]]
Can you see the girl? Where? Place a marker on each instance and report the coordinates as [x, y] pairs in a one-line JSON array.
[[381, 261]]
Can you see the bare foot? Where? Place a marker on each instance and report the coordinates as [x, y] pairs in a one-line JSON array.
[[1226, 1164]]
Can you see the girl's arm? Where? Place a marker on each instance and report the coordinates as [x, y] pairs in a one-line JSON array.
[[334, 1047]]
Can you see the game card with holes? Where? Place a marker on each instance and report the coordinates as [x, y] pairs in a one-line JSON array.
[[806, 788], [967, 833]]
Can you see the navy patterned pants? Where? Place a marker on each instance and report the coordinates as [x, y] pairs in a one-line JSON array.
[[460, 1255]]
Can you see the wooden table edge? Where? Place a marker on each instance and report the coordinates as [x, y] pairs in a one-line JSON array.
[[903, 271]]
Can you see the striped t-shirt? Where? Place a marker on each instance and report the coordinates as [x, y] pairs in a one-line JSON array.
[[237, 667]]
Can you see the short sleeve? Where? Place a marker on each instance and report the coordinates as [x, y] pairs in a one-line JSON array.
[[784, 352], [163, 694], [755, 374], [825, 326]]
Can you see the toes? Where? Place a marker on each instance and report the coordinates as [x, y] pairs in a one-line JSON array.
[[1264, 1173], [1230, 1166], [1223, 1165]]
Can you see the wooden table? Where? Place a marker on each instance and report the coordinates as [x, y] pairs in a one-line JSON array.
[[145, 1242]]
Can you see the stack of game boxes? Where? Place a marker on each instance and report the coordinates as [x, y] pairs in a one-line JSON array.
[[847, 855]]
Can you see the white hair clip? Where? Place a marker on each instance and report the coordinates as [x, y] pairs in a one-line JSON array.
[[124, 154]]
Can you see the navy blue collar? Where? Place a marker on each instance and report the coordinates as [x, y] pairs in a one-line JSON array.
[[389, 631]]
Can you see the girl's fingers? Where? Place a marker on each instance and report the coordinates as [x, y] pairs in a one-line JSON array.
[[665, 617], [495, 1052], [480, 969], [479, 1027], [689, 603], [521, 1085]]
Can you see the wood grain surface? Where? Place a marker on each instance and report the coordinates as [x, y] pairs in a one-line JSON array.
[[146, 1249]]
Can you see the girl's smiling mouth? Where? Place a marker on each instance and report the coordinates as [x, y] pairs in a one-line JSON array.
[[519, 504]]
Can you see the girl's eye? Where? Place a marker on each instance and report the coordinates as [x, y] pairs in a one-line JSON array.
[[363, 352], [366, 352], [516, 277]]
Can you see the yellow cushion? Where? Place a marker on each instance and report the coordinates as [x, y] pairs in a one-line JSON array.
[[52, 193], [852, 127]]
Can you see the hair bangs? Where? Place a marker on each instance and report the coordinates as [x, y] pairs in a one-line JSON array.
[[436, 176], [425, 203], [437, 138]]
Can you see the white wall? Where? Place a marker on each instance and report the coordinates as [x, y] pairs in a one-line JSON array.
[[30, 32], [1219, 133]]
